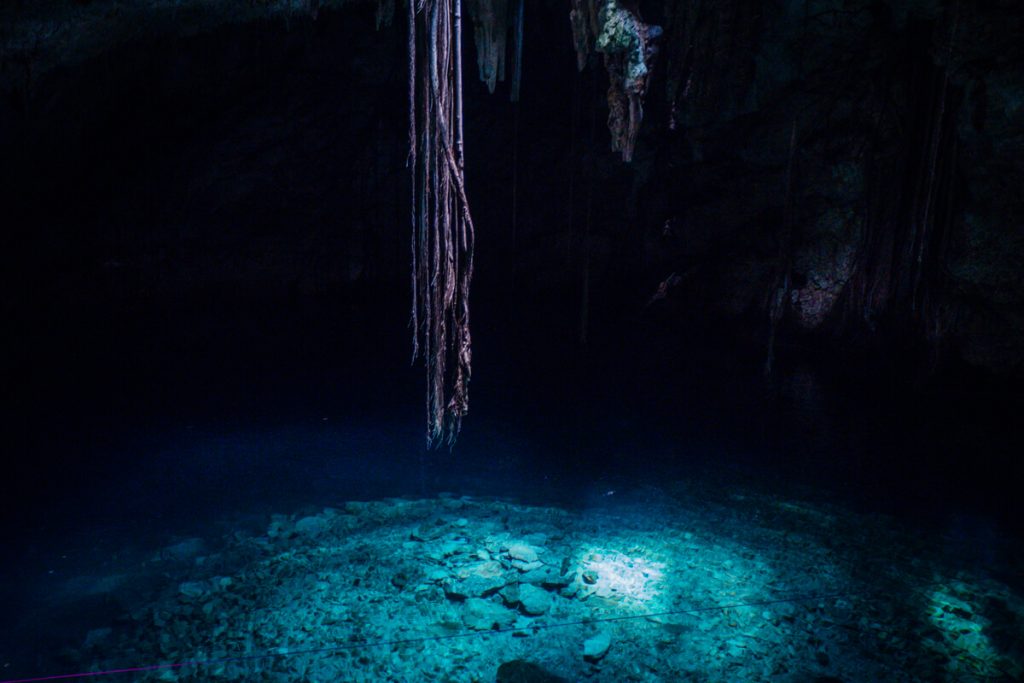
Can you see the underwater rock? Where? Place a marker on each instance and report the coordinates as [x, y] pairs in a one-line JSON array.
[[546, 576], [522, 552], [597, 647], [355, 507], [185, 550], [280, 527], [523, 627], [510, 594], [429, 531], [400, 580], [451, 547], [484, 615], [97, 637], [527, 566], [375, 584], [311, 526], [534, 601], [437, 574], [521, 671], [477, 580], [192, 589]]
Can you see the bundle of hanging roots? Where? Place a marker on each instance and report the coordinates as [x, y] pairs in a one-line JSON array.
[[442, 242]]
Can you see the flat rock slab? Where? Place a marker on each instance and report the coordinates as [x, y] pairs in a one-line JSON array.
[[534, 601], [484, 615]]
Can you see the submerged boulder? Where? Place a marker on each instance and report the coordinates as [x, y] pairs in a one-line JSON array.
[[522, 552], [597, 647], [534, 601], [477, 580], [311, 526], [522, 671], [484, 615]]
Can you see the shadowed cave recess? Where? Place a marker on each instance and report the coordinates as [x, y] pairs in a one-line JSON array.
[[747, 341]]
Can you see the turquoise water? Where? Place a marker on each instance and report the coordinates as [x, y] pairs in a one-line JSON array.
[[655, 519], [705, 578]]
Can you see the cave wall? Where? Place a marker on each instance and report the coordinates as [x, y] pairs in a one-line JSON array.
[[897, 125], [254, 159], [857, 163]]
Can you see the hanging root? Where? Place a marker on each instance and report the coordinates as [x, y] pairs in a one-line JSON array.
[[442, 242]]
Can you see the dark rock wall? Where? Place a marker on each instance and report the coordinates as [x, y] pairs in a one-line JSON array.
[[860, 163], [857, 156], [257, 159]]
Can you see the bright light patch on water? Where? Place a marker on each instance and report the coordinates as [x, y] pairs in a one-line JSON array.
[[626, 578]]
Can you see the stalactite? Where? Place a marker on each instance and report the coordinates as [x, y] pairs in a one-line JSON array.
[[583, 18], [783, 278], [681, 21], [936, 134], [517, 51], [385, 13], [629, 47], [901, 267], [442, 248], [491, 23], [782, 287], [515, 196]]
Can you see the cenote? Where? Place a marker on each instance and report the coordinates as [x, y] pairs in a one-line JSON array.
[[512, 340]]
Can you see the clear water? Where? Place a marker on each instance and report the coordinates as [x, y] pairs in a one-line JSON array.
[[796, 530]]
